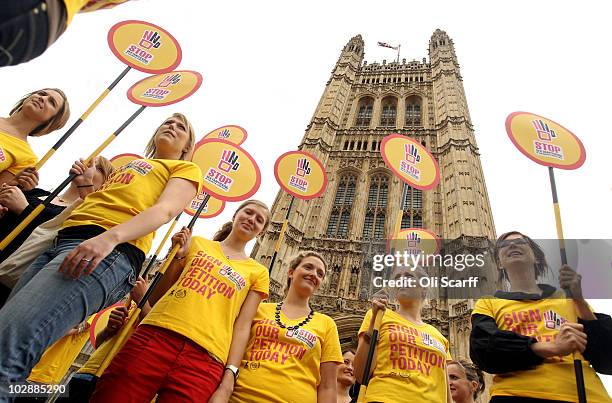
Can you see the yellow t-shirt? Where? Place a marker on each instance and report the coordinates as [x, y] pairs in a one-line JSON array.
[[206, 299], [98, 356], [284, 366], [554, 378], [410, 363], [58, 358], [15, 154], [75, 6], [130, 190]]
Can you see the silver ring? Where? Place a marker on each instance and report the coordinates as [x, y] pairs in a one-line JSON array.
[[87, 260]]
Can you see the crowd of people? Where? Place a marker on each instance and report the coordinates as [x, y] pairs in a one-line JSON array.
[[206, 333]]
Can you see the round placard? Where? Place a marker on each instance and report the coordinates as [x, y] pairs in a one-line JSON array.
[[415, 241], [230, 173], [300, 174], [232, 133], [165, 89], [144, 46], [545, 141], [410, 161], [120, 160], [213, 207]]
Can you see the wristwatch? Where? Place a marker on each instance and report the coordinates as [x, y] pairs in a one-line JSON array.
[[234, 370]]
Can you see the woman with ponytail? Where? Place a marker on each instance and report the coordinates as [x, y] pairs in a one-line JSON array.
[[188, 348], [466, 381]]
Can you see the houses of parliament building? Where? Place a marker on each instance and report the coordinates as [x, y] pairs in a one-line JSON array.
[[361, 104]]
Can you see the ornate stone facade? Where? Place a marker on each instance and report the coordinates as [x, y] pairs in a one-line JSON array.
[[361, 104]]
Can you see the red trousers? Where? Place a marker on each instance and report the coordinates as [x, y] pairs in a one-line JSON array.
[[158, 361]]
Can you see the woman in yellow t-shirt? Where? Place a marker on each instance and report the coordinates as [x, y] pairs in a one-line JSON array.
[[526, 336], [409, 363], [98, 252], [36, 114], [189, 345], [293, 352]]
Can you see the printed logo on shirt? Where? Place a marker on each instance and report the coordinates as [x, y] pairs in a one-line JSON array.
[[303, 335], [528, 322], [544, 145], [268, 346], [552, 320], [299, 180], [140, 166], [202, 279], [251, 365], [229, 273], [125, 175], [178, 293], [411, 159], [150, 40], [430, 341], [406, 354], [2, 156]]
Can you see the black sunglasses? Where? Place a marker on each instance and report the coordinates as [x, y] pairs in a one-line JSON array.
[[507, 242]]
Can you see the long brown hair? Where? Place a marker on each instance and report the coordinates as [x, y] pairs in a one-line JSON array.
[[150, 149], [226, 228], [540, 266], [56, 121]]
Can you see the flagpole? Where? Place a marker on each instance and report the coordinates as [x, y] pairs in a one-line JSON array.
[[398, 52], [279, 242]]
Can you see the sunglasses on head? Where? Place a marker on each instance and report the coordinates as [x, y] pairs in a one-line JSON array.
[[507, 242]]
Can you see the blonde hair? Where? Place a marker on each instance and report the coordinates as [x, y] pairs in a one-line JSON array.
[[226, 228], [296, 260], [56, 121], [105, 167], [150, 149]]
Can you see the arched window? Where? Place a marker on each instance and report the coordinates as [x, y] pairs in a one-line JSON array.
[[389, 111], [413, 111], [374, 223], [412, 206], [343, 204], [364, 112]]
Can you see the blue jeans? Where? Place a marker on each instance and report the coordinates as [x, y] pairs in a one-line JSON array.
[[46, 304]]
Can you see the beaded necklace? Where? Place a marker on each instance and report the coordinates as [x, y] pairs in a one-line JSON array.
[[282, 325]]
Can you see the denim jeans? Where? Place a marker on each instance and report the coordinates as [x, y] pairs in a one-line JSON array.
[[46, 304], [24, 31]]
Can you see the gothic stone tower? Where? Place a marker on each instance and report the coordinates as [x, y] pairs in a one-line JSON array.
[[361, 104]]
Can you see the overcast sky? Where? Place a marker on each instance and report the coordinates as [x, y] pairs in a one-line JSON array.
[[265, 65]]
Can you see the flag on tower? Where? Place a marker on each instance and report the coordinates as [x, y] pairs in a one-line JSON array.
[[386, 45]]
